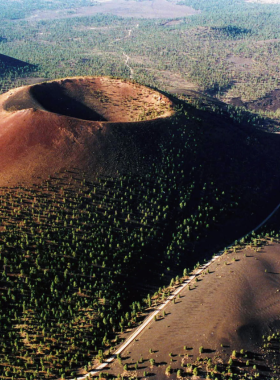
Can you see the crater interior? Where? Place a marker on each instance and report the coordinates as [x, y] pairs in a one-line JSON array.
[[95, 99]]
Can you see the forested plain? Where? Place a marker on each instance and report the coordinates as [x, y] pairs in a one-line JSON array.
[[228, 51], [69, 247]]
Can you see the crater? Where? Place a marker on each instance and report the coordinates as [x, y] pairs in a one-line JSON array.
[[93, 98]]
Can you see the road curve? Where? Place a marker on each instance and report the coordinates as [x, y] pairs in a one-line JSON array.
[[150, 318]]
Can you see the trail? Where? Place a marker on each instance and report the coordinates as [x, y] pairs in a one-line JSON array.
[[178, 290], [130, 68], [127, 57]]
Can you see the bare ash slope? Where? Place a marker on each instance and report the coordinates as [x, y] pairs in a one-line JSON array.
[[227, 309], [92, 123]]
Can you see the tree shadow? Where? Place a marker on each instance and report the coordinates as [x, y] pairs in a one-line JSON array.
[[150, 374], [253, 355], [208, 350]]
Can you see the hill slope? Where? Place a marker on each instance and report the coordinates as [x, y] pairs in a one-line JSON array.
[[98, 213], [11, 64], [230, 308]]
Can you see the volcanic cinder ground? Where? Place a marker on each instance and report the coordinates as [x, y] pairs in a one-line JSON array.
[[229, 308], [91, 122]]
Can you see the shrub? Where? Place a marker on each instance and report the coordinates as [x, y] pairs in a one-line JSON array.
[[195, 371], [168, 370]]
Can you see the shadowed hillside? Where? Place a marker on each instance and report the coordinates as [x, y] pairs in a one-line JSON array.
[[11, 70], [10, 63]]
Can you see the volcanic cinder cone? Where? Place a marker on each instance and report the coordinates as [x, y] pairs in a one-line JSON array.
[[97, 124]]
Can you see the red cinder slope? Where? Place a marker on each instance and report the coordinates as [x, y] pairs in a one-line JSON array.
[[96, 124]]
